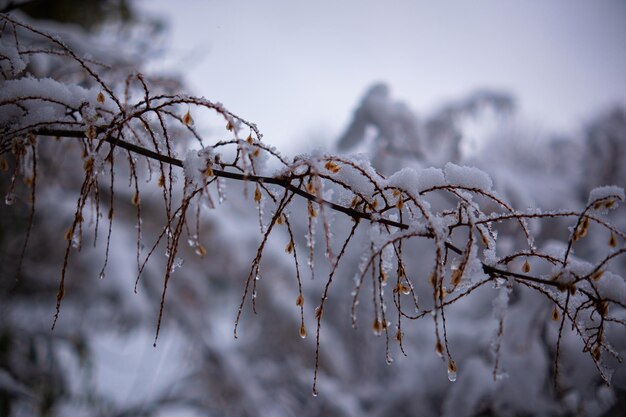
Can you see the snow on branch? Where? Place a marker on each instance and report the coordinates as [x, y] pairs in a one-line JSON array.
[[133, 124]]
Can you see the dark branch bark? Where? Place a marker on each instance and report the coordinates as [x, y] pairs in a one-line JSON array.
[[285, 183]]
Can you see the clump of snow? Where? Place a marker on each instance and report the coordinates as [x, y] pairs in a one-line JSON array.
[[415, 181], [605, 193], [612, 287], [195, 165], [469, 177]]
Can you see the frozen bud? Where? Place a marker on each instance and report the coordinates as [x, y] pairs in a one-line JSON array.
[[433, 279], [526, 267], [603, 308], [310, 187], [229, 126], [69, 233], [613, 240], [88, 164], [555, 314], [208, 172], [110, 216], [279, 219], [355, 201], [161, 181], [187, 119], [257, 194], [451, 371], [456, 276], [439, 349], [100, 98], [400, 203], [200, 251], [136, 199], [249, 139], [398, 336], [383, 277], [289, 248], [483, 237], [312, 211], [597, 275], [319, 312], [396, 193], [596, 353], [332, 167], [300, 300], [302, 331], [91, 132], [377, 327], [256, 152]]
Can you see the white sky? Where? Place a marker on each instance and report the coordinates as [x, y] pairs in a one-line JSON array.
[[298, 68]]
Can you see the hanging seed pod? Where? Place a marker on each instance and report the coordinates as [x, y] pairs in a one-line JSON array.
[[136, 199], [433, 279], [439, 349], [383, 277], [457, 274], [300, 300], [279, 219], [208, 172], [597, 275], [110, 216], [229, 126], [332, 167], [584, 227], [451, 371], [596, 353], [312, 211], [398, 336], [377, 327], [69, 233], [612, 240], [187, 119], [249, 139], [289, 247], [555, 314], [400, 203], [100, 98], [200, 251], [91, 133], [88, 164], [161, 181], [483, 237], [302, 331], [257, 194], [526, 267]]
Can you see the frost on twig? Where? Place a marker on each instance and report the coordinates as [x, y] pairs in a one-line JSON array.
[[135, 125]]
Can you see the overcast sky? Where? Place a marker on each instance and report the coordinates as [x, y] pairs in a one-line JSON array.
[[298, 68]]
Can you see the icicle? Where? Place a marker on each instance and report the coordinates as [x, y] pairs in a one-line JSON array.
[[452, 371]]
